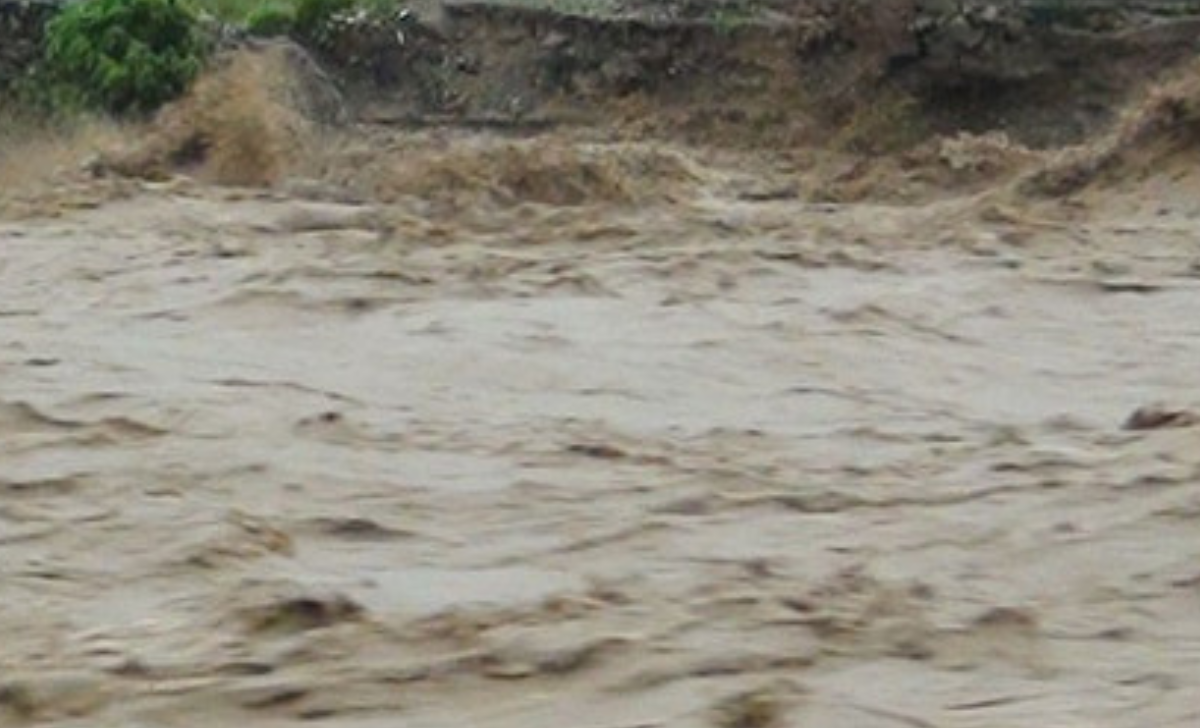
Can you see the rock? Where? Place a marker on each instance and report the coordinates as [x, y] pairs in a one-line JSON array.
[[1159, 417], [311, 91]]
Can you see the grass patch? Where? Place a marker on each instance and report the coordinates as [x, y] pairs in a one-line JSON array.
[[277, 17]]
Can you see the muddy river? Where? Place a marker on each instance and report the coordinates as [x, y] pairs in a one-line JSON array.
[[715, 458]]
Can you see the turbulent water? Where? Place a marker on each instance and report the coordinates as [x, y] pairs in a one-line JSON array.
[[629, 437]]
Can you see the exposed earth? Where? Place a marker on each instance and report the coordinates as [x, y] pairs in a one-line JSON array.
[[613, 410]]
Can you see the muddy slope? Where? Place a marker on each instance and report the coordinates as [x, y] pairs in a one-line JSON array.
[[1045, 76]]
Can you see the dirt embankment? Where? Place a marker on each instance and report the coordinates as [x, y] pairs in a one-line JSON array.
[[879, 77], [728, 71], [896, 101], [1044, 76]]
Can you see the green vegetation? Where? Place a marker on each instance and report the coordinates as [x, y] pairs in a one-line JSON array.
[[314, 22], [128, 57], [306, 19], [120, 56], [271, 19]]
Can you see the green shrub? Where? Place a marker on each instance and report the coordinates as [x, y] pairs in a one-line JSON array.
[[124, 56], [271, 20]]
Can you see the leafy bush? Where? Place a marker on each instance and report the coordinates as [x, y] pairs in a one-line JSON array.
[[271, 20], [124, 55]]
